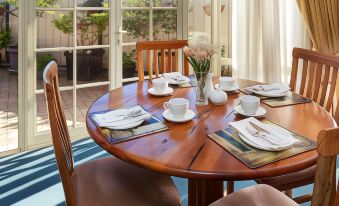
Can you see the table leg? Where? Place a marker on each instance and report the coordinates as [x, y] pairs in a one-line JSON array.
[[230, 187], [204, 192]]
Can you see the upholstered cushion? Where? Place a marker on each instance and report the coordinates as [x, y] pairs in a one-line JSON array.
[[258, 195], [290, 181], [110, 181]]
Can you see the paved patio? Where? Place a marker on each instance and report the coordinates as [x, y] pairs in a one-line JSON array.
[[9, 106]]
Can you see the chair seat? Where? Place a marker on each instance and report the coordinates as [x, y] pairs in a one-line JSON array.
[[110, 181], [258, 195], [290, 181]]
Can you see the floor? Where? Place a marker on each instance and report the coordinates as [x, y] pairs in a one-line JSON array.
[[32, 178], [9, 105]]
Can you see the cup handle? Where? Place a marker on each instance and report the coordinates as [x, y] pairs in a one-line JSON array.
[[166, 105]]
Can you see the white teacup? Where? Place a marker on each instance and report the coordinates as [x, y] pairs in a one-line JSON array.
[[250, 104], [160, 85], [177, 106], [226, 82]]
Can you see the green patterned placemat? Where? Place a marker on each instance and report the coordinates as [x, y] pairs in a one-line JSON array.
[[149, 126], [229, 139]]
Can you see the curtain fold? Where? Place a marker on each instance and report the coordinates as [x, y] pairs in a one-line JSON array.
[[263, 36], [322, 22]]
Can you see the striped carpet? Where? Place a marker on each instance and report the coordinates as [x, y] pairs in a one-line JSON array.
[[32, 178]]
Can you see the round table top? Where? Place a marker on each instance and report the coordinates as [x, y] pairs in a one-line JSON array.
[[185, 150]]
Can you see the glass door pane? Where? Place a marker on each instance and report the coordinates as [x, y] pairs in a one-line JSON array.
[[9, 73], [144, 21], [74, 34]]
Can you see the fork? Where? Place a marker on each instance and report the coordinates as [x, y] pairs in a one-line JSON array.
[[256, 133]]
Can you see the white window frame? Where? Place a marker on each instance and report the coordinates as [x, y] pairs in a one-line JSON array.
[[151, 9]]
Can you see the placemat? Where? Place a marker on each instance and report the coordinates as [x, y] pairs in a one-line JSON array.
[[290, 99], [149, 126], [229, 139]]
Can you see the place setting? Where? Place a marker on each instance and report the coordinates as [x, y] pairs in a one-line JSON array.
[[258, 143], [250, 107], [126, 123], [276, 95], [178, 80], [160, 87], [177, 110], [228, 85]]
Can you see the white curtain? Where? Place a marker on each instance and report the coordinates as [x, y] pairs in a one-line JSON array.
[[264, 34]]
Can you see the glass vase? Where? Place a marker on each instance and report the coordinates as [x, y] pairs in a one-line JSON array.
[[201, 97]]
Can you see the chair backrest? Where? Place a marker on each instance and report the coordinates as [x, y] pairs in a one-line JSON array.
[[318, 76], [164, 50], [61, 140], [324, 192]]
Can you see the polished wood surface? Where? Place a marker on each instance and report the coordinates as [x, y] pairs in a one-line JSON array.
[[116, 180], [319, 73], [186, 151], [324, 192], [318, 81], [60, 136], [166, 63]]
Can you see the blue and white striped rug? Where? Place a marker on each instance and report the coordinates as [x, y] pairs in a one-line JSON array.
[[32, 178]]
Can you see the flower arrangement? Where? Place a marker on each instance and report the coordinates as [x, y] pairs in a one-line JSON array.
[[199, 56]]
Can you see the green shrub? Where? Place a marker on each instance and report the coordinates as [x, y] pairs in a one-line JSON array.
[[42, 60]]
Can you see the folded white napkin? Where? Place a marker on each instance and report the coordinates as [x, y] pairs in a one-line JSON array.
[[275, 88], [274, 139], [121, 117], [174, 77]]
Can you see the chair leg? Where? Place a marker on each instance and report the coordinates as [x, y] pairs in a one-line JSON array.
[[303, 199], [288, 193], [230, 187]]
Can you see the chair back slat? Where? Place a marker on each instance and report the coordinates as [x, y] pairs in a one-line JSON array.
[[303, 77], [317, 81], [332, 89], [155, 63], [149, 64], [324, 192], [162, 63], [168, 50], [318, 76], [310, 79], [294, 74], [169, 60], [60, 136], [176, 60], [140, 64], [325, 85]]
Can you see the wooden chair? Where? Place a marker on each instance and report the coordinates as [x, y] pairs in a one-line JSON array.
[[318, 82], [105, 181], [166, 64], [324, 192]]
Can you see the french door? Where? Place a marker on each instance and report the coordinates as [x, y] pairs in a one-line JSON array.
[[77, 35], [93, 43]]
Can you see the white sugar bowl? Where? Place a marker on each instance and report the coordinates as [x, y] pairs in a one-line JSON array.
[[218, 97]]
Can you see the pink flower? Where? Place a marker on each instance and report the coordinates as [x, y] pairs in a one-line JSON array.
[[189, 51], [202, 55]]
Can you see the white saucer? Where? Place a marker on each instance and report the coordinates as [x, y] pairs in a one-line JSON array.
[[260, 112], [168, 91], [169, 116], [236, 87], [128, 126]]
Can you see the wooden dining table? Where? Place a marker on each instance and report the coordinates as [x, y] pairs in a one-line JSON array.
[[186, 151]]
